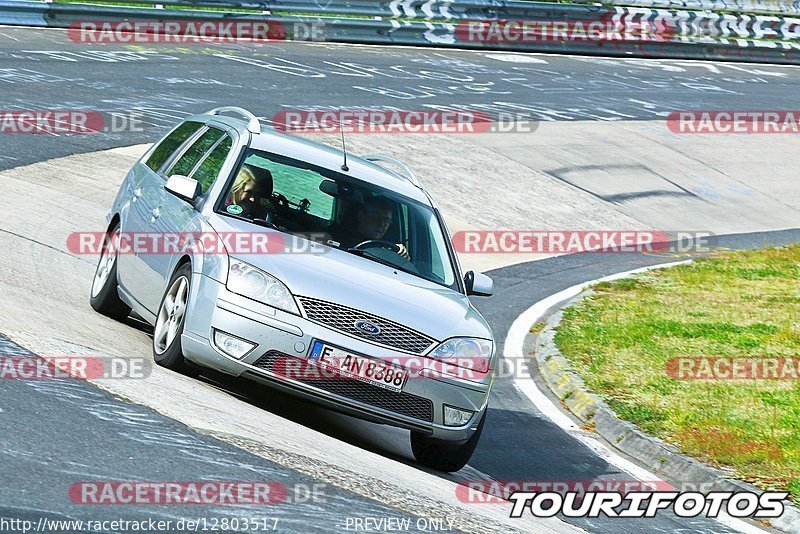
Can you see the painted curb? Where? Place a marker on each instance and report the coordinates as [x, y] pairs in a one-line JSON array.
[[655, 454]]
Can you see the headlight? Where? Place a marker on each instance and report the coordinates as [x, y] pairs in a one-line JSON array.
[[467, 352], [246, 280]]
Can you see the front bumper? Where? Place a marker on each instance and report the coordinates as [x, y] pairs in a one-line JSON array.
[[276, 332]]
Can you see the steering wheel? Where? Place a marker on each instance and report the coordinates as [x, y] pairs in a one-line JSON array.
[[378, 243]]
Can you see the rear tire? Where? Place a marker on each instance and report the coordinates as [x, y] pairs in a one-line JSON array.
[[442, 455], [167, 348], [104, 297]]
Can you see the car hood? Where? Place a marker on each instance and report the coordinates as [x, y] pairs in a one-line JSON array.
[[343, 278]]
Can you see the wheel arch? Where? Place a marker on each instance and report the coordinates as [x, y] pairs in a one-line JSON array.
[[115, 220], [186, 258]]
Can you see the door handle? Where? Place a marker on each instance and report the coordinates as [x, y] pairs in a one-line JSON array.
[[136, 194], [154, 215]]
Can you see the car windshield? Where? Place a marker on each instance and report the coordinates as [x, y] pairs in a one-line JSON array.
[[341, 212]]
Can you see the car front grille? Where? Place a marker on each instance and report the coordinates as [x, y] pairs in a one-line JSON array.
[[394, 401], [343, 319]]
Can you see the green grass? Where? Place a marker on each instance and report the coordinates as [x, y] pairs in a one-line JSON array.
[[743, 304]]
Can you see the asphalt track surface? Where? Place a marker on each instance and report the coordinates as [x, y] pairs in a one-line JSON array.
[[43, 69], [82, 433]]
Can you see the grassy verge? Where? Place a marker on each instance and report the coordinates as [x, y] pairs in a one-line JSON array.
[[737, 305]]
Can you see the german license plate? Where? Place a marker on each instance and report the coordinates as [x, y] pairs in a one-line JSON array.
[[371, 371]]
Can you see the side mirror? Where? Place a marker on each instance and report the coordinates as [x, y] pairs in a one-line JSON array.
[[184, 188], [478, 284]]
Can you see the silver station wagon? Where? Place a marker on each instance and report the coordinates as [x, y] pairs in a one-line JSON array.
[[296, 265]]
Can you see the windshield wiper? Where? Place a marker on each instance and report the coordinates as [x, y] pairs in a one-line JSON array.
[[363, 254]]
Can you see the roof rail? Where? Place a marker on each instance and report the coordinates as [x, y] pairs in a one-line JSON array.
[[407, 173], [253, 126]]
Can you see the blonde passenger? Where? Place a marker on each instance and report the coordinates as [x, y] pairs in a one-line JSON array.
[[251, 190]]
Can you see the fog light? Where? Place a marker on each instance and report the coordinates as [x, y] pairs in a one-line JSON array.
[[456, 417], [231, 345]]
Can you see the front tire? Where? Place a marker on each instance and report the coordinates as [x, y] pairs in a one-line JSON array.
[[104, 297], [167, 349], [442, 455]]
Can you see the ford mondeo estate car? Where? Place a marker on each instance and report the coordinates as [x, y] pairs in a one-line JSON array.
[[296, 265]]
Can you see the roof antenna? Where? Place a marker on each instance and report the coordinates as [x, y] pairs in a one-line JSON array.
[[344, 167]]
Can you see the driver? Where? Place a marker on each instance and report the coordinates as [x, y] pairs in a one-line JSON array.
[[373, 219], [253, 185]]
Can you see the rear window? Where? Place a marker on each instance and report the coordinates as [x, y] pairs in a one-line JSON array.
[[171, 143], [297, 185]]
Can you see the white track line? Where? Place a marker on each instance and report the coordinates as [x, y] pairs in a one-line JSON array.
[[514, 350]]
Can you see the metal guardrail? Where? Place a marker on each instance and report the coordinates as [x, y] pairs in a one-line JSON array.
[[23, 13], [767, 7], [469, 9], [691, 35]]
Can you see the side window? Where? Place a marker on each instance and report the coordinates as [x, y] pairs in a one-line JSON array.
[[209, 168], [170, 144], [185, 164]]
